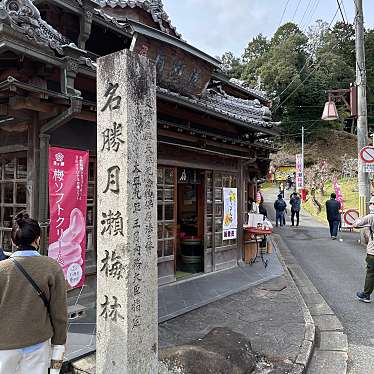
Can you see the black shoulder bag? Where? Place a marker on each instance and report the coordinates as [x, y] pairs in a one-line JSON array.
[[32, 282]]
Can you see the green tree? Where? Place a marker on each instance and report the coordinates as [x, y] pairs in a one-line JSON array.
[[231, 65], [296, 69], [370, 73], [253, 58]]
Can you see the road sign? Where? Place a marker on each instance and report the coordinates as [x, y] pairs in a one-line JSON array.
[[367, 154], [350, 216], [368, 168]]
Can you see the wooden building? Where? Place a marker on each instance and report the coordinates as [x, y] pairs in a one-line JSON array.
[[212, 132]]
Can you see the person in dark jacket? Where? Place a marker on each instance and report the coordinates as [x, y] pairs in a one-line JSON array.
[[262, 210], [295, 203], [280, 209], [333, 215]]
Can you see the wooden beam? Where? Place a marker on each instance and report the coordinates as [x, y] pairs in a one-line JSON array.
[[13, 148], [188, 115], [32, 103], [195, 139], [86, 116]]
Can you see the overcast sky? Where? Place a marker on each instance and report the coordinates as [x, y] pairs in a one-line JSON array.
[[218, 26]]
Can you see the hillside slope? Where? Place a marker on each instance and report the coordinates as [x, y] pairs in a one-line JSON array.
[[332, 145]]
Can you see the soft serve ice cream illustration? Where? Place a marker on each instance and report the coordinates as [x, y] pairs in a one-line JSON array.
[[67, 250]]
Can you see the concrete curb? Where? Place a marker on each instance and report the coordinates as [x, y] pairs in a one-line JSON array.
[[325, 346], [307, 346]]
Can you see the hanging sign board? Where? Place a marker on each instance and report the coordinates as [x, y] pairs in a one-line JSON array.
[[367, 154], [68, 179], [230, 213]]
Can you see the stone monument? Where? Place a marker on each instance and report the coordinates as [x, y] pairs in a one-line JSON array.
[[127, 328]]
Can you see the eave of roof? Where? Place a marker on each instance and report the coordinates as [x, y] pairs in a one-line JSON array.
[[172, 40], [255, 125], [154, 7]]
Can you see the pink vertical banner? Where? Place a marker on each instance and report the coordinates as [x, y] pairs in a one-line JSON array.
[[338, 192], [68, 180]]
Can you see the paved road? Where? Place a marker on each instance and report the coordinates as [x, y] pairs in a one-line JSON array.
[[269, 315], [337, 271]]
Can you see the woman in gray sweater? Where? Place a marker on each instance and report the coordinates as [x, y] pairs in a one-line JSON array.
[[33, 326]]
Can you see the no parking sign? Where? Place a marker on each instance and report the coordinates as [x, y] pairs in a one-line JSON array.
[[350, 216], [367, 154]]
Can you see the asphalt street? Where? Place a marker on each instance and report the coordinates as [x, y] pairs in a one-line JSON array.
[[337, 270]]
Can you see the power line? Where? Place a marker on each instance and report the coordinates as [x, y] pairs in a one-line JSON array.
[[345, 12], [296, 10], [317, 66], [309, 17], [284, 12], [307, 60], [341, 11], [306, 10]]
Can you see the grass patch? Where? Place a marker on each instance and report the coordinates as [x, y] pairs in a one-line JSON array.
[[350, 195]]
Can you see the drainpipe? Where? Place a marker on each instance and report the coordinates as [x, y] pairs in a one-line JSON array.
[[44, 136]]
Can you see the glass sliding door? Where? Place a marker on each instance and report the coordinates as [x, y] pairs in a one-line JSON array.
[[167, 223]]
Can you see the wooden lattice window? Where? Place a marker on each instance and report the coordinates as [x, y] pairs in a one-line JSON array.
[[166, 211], [13, 193]]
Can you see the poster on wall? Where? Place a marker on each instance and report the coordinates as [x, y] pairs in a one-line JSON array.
[[230, 213], [68, 180]]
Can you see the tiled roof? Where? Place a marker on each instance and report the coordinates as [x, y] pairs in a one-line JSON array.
[[24, 17], [243, 84], [154, 7], [251, 112], [116, 22]]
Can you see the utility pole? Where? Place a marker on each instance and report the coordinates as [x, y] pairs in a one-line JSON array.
[[362, 119]]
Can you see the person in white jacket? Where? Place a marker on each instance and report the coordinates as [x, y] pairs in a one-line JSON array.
[[367, 222]]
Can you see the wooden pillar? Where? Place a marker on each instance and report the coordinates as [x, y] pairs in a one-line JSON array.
[[43, 192]]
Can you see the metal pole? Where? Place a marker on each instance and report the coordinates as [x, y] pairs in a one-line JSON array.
[[362, 120]]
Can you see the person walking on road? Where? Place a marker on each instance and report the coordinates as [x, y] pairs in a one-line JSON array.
[[280, 210], [281, 189], [333, 215], [289, 182], [295, 203], [368, 222], [33, 306]]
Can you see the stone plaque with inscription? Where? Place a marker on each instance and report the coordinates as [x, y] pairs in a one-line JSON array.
[[126, 215]]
